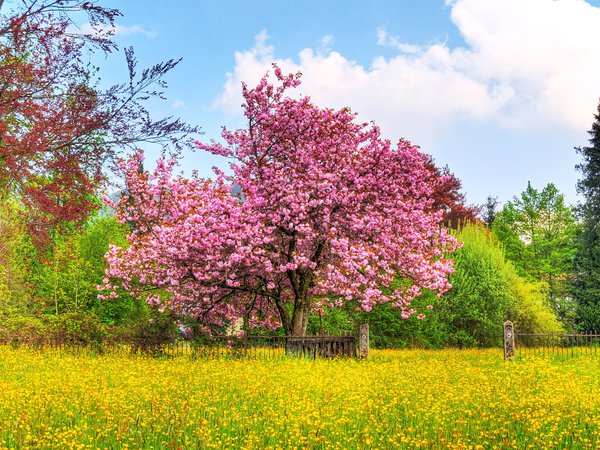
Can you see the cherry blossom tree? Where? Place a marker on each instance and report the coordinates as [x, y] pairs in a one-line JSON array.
[[319, 211]]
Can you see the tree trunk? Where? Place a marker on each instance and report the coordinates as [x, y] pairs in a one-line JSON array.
[[296, 330], [300, 317]]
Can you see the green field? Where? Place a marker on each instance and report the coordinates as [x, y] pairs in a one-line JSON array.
[[398, 399]]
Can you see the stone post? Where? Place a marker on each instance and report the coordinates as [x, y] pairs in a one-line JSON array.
[[363, 331], [509, 341]]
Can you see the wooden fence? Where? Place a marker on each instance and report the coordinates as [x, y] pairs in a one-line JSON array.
[[274, 346], [245, 346]]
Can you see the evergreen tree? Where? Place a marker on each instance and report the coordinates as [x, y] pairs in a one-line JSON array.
[[490, 209], [586, 289]]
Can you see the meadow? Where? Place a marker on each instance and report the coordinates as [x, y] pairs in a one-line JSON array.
[[457, 399]]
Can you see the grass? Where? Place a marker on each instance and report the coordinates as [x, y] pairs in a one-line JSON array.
[[468, 399]]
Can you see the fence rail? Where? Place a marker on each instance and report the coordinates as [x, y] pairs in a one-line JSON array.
[[212, 347], [277, 346], [558, 344]]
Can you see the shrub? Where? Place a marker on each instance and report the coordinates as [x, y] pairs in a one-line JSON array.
[[77, 328], [151, 334]]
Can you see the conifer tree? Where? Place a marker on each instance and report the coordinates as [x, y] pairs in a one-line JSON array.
[[490, 209], [586, 287]]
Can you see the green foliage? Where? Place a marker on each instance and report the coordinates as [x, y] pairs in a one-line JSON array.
[[537, 231], [479, 301], [66, 281], [76, 328], [530, 311], [331, 321], [53, 296], [388, 329], [15, 292], [586, 286], [486, 291], [22, 329], [586, 289], [149, 334]]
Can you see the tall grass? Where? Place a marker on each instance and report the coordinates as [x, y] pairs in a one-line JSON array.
[[398, 399]]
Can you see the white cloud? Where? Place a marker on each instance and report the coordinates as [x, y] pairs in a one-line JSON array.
[[547, 52], [531, 64], [122, 30], [250, 66], [117, 30], [178, 103], [385, 40], [326, 43]]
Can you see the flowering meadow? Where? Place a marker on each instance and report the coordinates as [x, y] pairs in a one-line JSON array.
[[469, 399]]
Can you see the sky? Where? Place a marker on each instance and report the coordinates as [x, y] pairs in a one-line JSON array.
[[501, 91]]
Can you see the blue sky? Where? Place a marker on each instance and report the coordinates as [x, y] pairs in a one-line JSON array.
[[500, 90]]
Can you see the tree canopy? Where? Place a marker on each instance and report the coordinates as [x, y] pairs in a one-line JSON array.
[[58, 130], [586, 288], [448, 198], [538, 231], [327, 212]]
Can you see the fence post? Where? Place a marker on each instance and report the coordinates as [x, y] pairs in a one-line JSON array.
[[363, 331], [509, 341]]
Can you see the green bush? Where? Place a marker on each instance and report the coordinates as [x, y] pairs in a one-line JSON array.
[[486, 291], [478, 303], [22, 330], [150, 334], [388, 329], [77, 329], [530, 310]]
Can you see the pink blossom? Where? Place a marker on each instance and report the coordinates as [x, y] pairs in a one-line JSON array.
[[327, 209]]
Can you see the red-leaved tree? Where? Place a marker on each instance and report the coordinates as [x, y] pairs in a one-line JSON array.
[[319, 211], [58, 131], [447, 197]]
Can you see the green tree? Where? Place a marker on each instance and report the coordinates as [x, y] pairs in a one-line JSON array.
[[66, 280], [15, 292], [538, 233], [529, 310], [486, 291], [490, 210], [586, 287], [479, 301]]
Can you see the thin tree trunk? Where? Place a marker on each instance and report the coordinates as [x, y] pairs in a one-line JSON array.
[[284, 316], [55, 282]]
